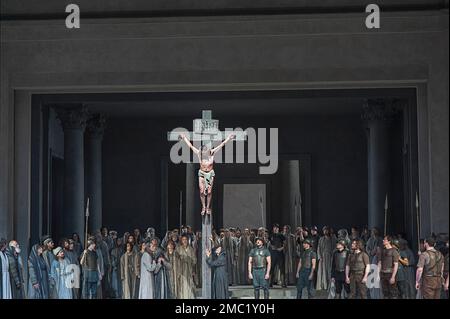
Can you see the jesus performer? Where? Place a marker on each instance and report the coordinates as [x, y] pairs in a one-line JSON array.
[[206, 172]]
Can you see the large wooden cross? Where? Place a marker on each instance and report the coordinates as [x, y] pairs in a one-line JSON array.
[[206, 130]]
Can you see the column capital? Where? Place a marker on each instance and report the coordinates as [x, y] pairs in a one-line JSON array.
[[96, 125], [72, 116], [379, 109]]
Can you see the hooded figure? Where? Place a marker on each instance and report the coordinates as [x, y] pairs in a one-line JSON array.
[[15, 271], [218, 262], [37, 274], [5, 281]]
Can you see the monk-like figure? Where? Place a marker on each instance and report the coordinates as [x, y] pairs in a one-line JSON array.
[[206, 172]]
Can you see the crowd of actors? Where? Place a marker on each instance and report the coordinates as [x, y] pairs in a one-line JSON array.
[[141, 266]]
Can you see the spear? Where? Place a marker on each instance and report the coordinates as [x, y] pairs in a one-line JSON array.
[[181, 210], [418, 220], [86, 225], [385, 214]]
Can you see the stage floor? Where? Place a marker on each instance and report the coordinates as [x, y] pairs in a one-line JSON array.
[[277, 292]]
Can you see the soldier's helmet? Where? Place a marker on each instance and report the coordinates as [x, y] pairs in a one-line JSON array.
[[342, 242], [307, 241], [396, 243]]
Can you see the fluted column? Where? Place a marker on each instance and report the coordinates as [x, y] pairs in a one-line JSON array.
[[377, 115], [73, 118], [94, 136]]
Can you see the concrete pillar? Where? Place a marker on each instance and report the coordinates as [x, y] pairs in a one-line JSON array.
[[377, 114], [291, 193], [73, 118], [94, 136]]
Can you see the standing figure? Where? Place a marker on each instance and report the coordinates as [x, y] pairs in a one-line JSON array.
[[16, 270], [116, 282], [127, 271], [356, 271], [339, 261], [72, 258], [37, 274], [162, 285], [78, 247], [408, 261], [59, 275], [430, 269], [170, 258], [206, 172], [400, 278], [259, 265], [229, 246], [276, 248], [137, 264], [305, 269], [48, 256], [244, 245], [445, 287], [289, 256], [91, 270], [186, 261], [373, 249], [220, 279], [5, 281], [388, 267], [325, 249], [147, 278]]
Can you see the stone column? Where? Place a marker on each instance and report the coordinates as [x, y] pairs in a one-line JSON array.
[[94, 137], [73, 118], [377, 115], [192, 195]]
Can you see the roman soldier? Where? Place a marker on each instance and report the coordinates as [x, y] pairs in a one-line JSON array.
[[430, 270], [388, 267], [305, 269], [339, 261], [259, 264], [356, 271]]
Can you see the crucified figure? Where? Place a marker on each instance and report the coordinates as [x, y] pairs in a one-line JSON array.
[[206, 172]]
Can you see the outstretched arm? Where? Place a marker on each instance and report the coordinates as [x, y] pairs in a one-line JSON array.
[[218, 147], [186, 140]]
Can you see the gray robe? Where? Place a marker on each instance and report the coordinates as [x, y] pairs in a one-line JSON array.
[[325, 250], [128, 274], [59, 275], [372, 247], [16, 274], [290, 253], [147, 282], [5, 280], [244, 245], [220, 278], [37, 274]]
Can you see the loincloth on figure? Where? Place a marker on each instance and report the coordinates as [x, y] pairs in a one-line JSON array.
[[207, 176]]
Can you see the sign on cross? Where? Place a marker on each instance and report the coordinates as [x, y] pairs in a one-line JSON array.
[[206, 130]]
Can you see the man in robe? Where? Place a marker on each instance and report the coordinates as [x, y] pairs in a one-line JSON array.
[[244, 245], [186, 261], [147, 277], [290, 254], [59, 275], [197, 244], [102, 248], [138, 263], [128, 272], [5, 281], [48, 256], [37, 274], [218, 263], [16, 270], [325, 250], [229, 247]]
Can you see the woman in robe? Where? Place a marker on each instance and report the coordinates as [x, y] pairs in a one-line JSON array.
[[147, 280], [244, 245], [127, 272], [59, 274], [325, 250], [37, 274], [186, 261], [162, 285], [170, 257], [116, 282], [220, 277]]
